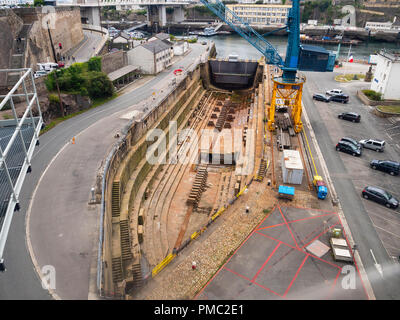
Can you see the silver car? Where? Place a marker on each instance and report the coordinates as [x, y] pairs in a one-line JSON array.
[[373, 144]]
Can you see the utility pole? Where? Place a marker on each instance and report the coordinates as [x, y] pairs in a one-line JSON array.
[[55, 71]]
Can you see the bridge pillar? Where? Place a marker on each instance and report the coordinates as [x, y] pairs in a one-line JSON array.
[[162, 15], [178, 15], [90, 15]]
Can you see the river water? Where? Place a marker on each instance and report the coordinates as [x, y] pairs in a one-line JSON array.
[[229, 44]]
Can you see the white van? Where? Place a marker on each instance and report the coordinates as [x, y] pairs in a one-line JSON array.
[[48, 66]]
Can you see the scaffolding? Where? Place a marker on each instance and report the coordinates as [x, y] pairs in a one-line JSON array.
[[18, 138]]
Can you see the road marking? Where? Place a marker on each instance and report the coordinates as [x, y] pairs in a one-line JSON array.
[[377, 265], [391, 221], [396, 235]]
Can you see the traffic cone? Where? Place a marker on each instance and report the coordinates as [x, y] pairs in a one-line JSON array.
[[194, 265], [73, 140]]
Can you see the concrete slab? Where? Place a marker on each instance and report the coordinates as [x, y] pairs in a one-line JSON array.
[[268, 266]]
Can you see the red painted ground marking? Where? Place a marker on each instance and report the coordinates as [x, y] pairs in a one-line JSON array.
[[251, 233], [334, 284], [325, 231], [286, 244], [295, 276], [308, 209], [303, 251], [281, 224], [275, 225], [332, 264], [244, 277], [266, 261], [288, 227]]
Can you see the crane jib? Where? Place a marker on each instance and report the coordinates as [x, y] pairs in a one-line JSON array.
[[298, 57]]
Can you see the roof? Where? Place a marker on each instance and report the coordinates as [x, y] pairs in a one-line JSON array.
[[123, 35], [314, 48], [121, 72], [292, 159], [155, 46], [162, 36]]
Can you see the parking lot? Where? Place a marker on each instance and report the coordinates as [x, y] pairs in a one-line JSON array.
[[386, 221]]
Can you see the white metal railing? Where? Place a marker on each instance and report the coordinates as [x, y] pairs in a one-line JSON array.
[[119, 2], [18, 138]]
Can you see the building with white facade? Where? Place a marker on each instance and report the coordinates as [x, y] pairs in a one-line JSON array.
[[152, 57], [387, 75], [382, 26], [260, 14], [15, 2]]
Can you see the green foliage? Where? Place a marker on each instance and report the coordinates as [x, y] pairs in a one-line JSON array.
[[172, 37], [82, 78], [373, 95], [142, 12], [194, 40], [327, 11], [38, 3], [53, 98], [259, 2], [94, 64]]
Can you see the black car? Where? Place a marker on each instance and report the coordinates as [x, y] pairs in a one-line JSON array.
[[321, 97], [391, 167], [349, 148], [350, 116], [353, 141], [380, 196], [343, 98]]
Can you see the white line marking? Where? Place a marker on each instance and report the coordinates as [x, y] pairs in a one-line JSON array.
[[377, 265]]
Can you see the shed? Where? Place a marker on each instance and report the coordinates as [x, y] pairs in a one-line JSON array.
[[292, 167]]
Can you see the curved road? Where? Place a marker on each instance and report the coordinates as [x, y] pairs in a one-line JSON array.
[[63, 228]]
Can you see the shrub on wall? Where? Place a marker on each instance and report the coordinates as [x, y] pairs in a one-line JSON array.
[[373, 95], [82, 78]]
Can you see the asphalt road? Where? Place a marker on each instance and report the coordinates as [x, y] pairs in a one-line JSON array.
[[350, 175], [51, 213]]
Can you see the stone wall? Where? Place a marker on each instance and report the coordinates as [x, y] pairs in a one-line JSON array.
[[11, 23], [113, 61], [124, 160], [68, 32]]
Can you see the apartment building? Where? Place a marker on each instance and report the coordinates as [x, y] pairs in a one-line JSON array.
[[259, 14]]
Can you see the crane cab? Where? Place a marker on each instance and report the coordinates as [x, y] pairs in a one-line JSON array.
[[313, 58]]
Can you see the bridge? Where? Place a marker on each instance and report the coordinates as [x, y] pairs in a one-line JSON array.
[[156, 9]]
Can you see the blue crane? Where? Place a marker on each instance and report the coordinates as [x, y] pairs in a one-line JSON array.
[[298, 57]]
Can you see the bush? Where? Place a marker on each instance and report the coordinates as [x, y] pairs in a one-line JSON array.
[[373, 95], [85, 79], [98, 85], [53, 98], [94, 64]]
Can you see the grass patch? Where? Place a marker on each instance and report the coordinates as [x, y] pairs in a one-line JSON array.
[[96, 103], [389, 109], [350, 77]]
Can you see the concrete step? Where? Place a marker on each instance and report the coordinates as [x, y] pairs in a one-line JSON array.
[[117, 269]]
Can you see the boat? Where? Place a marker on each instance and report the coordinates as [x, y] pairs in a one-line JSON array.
[[329, 40], [209, 32]]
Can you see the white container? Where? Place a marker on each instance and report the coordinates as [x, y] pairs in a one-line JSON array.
[[292, 167]]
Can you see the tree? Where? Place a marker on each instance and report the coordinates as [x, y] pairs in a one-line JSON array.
[[38, 3]]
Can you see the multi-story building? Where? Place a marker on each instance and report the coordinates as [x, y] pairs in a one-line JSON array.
[[387, 75], [259, 14], [380, 26], [153, 56]]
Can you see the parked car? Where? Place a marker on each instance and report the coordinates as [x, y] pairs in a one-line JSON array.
[[61, 64], [350, 116], [343, 98], [373, 144], [321, 97], [334, 92], [380, 196], [349, 148], [40, 73], [353, 141], [391, 167]]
